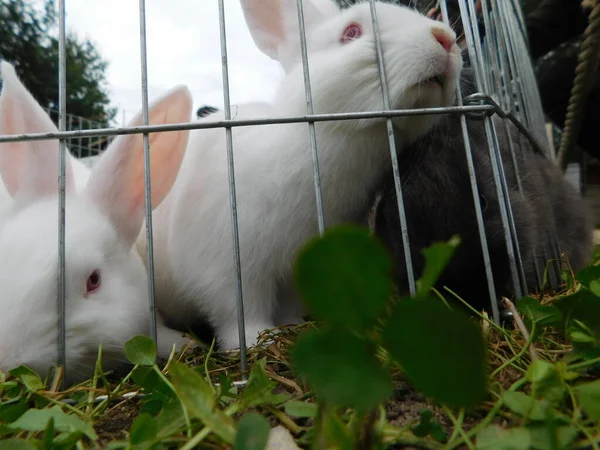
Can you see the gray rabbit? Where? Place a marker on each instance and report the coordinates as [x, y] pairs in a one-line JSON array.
[[438, 201]]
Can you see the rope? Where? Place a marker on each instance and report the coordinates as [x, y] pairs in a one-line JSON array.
[[589, 57]]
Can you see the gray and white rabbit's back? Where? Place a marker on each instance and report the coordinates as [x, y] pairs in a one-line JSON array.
[[562, 214], [573, 221], [439, 203]]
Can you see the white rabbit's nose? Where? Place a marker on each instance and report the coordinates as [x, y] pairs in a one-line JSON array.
[[444, 37]]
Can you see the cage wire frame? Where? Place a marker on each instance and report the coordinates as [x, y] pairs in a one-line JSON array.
[[507, 88], [81, 147]]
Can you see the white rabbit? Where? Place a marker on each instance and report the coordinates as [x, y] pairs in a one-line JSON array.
[[273, 165], [20, 113], [106, 280]]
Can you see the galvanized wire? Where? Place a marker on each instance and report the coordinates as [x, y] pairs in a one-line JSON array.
[[493, 52], [232, 195], [474, 49], [394, 155], [311, 125], [330, 117], [62, 124], [147, 181], [475, 190], [509, 80], [535, 116]]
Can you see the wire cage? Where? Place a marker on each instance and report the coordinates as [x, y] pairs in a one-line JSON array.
[[83, 148], [87, 149], [496, 46]]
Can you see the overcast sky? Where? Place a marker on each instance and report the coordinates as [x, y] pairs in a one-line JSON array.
[[183, 48]]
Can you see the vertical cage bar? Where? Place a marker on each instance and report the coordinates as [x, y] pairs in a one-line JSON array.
[[509, 212], [492, 53], [493, 47], [534, 118], [232, 194], [88, 141], [474, 48], [496, 53], [475, 190], [521, 65], [392, 140], [62, 154], [514, 252], [98, 138], [311, 125], [517, 100], [518, 40], [147, 186], [80, 140]]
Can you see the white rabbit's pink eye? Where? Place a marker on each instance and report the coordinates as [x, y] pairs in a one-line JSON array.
[[351, 32], [93, 281]]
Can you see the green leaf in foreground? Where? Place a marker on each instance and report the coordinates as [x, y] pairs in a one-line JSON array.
[[143, 429], [67, 441], [429, 425], [341, 368], [595, 287], [198, 398], [141, 350], [533, 311], [11, 410], [525, 406], [333, 433], [225, 385], [344, 277], [548, 435], [252, 433], [49, 434], [259, 389], [37, 420], [296, 408], [17, 444], [441, 351], [588, 274], [582, 311], [170, 420], [546, 381], [437, 257], [497, 438], [589, 397], [28, 377]]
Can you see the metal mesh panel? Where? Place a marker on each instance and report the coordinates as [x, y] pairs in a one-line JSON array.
[[506, 87]]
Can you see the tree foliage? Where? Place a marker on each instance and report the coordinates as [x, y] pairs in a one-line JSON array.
[[28, 41]]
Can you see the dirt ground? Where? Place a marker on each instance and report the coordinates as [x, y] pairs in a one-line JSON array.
[[403, 409], [115, 425]]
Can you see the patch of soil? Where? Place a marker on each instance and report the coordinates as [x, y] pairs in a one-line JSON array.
[[405, 408], [116, 422], [406, 405]]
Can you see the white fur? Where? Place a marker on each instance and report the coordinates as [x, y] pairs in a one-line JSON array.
[[20, 113], [103, 220], [273, 165]]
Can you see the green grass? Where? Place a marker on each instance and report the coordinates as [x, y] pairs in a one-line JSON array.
[[541, 387]]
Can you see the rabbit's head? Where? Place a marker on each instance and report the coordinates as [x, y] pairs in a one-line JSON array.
[[106, 282], [421, 59]]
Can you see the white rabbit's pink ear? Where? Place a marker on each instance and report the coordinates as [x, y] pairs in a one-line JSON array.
[[265, 23], [273, 24], [29, 169], [117, 180], [327, 7]]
